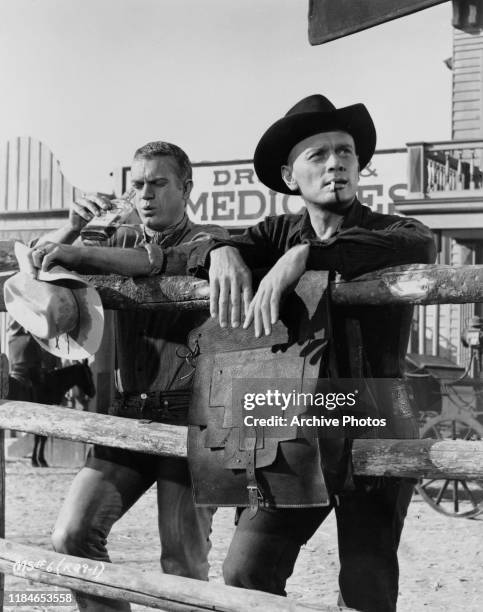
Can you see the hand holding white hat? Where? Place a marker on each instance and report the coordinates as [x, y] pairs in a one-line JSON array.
[[59, 308], [43, 256]]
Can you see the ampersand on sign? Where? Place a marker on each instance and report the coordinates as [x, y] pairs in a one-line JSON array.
[[368, 171]]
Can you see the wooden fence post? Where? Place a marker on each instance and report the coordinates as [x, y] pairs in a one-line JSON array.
[[3, 394], [417, 171]]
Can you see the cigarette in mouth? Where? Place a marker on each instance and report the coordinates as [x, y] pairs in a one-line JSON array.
[[332, 185]]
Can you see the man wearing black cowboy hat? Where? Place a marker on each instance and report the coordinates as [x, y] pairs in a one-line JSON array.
[[317, 151]]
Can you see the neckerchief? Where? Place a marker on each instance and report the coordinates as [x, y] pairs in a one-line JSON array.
[[169, 236]]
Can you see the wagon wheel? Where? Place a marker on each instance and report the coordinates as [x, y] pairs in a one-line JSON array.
[[453, 497]]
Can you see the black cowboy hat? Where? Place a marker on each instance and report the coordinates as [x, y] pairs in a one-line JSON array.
[[310, 116]]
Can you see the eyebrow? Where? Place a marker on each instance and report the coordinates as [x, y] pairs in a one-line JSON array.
[[153, 180], [317, 150], [323, 148]]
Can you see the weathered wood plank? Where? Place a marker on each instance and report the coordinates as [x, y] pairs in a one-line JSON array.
[[46, 165], [170, 292], [23, 173], [122, 292], [4, 370], [459, 459], [34, 175], [12, 178], [60, 422], [165, 592], [2, 508], [413, 284], [125, 293], [405, 458], [399, 285], [4, 186], [410, 284]]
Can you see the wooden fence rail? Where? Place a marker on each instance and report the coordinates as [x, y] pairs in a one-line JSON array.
[[405, 458], [164, 592], [410, 284]]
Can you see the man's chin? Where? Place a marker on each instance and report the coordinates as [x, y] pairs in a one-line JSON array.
[[333, 202], [153, 224]]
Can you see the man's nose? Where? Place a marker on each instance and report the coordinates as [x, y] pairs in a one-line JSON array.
[[147, 192], [335, 162]]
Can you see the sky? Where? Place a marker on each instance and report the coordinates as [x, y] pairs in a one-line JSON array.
[[95, 79]]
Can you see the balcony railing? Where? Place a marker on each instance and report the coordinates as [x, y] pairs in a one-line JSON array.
[[451, 169]]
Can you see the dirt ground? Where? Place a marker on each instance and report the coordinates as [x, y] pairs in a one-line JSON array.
[[441, 558]]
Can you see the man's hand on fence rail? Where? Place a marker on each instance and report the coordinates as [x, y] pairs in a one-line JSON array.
[[410, 284], [230, 286]]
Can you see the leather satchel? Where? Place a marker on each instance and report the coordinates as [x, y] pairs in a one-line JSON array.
[[293, 466], [237, 465]]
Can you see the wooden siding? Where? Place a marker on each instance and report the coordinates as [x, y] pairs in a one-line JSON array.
[[467, 118], [31, 178]]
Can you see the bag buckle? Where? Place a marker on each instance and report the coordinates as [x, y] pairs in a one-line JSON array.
[[144, 398], [255, 498]]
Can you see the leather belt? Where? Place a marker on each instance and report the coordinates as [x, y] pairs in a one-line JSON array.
[[169, 407]]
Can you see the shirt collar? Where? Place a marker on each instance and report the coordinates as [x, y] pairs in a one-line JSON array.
[[303, 226], [353, 216], [170, 235]]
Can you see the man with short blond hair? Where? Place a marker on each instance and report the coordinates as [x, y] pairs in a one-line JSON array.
[[154, 372]]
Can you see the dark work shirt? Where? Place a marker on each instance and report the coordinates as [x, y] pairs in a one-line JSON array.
[[366, 241], [25, 355], [150, 345]]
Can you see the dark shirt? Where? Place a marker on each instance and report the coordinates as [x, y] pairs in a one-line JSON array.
[[26, 357], [366, 241], [151, 346], [366, 342]]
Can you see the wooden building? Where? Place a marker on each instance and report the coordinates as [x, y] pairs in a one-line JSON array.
[[445, 191]]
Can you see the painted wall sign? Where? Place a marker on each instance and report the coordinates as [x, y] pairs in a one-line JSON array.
[[230, 194]]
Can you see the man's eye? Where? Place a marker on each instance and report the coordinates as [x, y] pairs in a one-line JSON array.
[[137, 185]]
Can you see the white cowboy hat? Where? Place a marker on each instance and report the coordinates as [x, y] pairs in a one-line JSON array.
[[60, 309]]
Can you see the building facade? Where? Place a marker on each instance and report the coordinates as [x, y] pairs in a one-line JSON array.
[[445, 191]]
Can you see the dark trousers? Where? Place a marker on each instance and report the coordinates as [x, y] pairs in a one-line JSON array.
[[105, 489], [370, 519]]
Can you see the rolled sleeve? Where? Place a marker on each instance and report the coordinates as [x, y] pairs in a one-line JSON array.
[[199, 259], [190, 257], [259, 246], [155, 256]]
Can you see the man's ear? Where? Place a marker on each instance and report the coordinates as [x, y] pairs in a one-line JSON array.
[[288, 178], [187, 187]]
